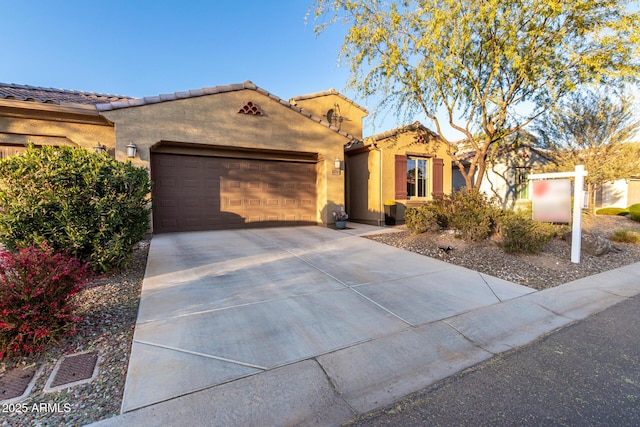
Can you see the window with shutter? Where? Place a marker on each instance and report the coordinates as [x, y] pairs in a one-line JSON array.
[[438, 177], [401, 177]]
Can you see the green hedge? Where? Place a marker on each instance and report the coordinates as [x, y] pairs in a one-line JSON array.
[[633, 211], [612, 211], [87, 205]]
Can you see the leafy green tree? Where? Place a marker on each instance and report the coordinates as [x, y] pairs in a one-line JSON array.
[[87, 205], [594, 129], [481, 61]]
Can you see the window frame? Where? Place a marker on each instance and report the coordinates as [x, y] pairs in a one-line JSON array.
[[427, 178]]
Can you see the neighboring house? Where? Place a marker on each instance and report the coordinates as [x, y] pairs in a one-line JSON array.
[[506, 173], [506, 178], [620, 194], [56, 117], [404, 165]]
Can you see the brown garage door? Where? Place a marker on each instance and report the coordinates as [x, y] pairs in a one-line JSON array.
[[192, 193]]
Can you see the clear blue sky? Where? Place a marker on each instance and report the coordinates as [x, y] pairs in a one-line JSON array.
[[143, 48]]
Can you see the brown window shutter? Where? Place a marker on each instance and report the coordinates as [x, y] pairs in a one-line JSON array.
[[438, 177], [401, 177]]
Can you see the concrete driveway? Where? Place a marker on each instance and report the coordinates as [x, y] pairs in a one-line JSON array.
[[220, 306]]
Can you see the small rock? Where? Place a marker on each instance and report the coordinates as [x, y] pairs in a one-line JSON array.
[[592, 244]]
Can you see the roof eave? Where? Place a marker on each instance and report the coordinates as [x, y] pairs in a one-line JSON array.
[[84, 109]]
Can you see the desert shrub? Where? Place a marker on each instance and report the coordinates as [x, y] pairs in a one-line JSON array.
[[634, 212], [472, 214], [88, 205], [441, 208], [432, 216], [36, 286], [521, 234], [418, 219], [612, 211], [626, 236]]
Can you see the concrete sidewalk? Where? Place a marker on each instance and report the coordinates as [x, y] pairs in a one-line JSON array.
[[312, 326]]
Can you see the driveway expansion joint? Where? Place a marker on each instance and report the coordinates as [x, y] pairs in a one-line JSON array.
[[471, 341], [208, 356], [335, 387]]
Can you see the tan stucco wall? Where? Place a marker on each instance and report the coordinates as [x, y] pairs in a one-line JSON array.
[[54, 125], [214, 120], [382, 159], [353, 115]]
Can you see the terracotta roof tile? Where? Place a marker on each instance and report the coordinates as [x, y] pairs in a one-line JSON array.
[[413, 126], [168, 97], [210, 90], [54, 96], [371, 140]]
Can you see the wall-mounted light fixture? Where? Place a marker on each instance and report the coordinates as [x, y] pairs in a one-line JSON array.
[[100, 148], [337, 163], [131, 150]]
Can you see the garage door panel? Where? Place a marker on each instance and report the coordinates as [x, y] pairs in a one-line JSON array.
[[209, 193], [169, 222], [233, 203]]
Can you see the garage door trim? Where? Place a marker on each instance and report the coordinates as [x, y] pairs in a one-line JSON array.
[[183, 148]]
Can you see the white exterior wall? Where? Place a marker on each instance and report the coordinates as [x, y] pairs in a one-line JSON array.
[[614, 194]]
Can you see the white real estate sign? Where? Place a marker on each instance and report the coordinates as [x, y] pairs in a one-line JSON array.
[[551, 200], [576, 227]]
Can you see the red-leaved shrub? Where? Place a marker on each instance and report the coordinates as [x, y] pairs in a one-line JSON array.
[[36, 286]]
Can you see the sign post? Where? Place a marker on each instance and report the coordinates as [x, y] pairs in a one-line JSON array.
[[578, 195], [576, 230]]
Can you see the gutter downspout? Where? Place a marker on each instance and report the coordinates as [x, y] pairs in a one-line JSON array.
[[380, 206]]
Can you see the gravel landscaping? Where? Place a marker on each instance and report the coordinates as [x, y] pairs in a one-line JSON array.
[[109, 308], [552, 267]]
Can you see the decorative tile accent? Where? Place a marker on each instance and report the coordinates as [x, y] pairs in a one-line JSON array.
[[250, 108], [16, 384], [74, 369]]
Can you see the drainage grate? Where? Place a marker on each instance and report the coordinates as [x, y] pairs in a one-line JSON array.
[[72, 370], [15, 383]]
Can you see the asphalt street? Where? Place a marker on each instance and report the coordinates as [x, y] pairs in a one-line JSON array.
[[586, 374]]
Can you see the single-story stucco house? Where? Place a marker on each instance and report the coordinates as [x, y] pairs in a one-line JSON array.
[[230, 156]]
